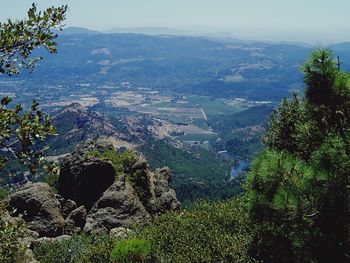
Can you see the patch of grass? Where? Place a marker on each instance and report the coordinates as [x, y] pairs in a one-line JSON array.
[[132, 250]]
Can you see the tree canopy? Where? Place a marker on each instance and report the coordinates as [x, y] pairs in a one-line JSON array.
[[21, 130], [18, 38], [298, 190]]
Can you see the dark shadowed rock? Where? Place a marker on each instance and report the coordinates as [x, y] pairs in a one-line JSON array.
[[39, 207], [84, 178], [122, 205], [67, 206], [119, 206], [75, 221]]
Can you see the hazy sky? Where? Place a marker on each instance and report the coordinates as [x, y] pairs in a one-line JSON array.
[[315, 21]]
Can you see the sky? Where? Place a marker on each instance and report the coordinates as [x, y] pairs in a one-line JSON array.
[[313, 21]]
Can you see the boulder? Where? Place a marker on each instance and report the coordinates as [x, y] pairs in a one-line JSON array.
[[119, 206], [75, 221], [84, 178], [133, 198], [39, 208], [67, 206]]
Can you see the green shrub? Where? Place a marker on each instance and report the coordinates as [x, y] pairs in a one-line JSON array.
[[52, 180], [133, 250], [122, 162], [11, 249], [207, 232], [79, 248], [3, 193]]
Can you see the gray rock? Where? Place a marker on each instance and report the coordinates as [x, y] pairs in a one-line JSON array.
[[165, 197], [162, 198], [106, 201], [39, 209], [12, 219], [29, 257], [29, 237], [119, 206]]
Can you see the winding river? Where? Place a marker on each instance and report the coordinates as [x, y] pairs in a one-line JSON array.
[[242, 164]]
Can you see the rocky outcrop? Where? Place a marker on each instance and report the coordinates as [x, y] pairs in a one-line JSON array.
[[120, 232], [84, 178], [122, 206], [39, 208], [45, 213], [134, 197], [164, 198], [93, 197]]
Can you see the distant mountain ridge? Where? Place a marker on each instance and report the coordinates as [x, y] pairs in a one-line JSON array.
[[183, 64], [78, 31], [150, 31], [210, 66]]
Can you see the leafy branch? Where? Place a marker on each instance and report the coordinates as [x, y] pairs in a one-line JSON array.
[[18, 38]]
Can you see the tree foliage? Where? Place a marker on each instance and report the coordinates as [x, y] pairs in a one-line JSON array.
[[18, 38], [21, 130], [298, 190]]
